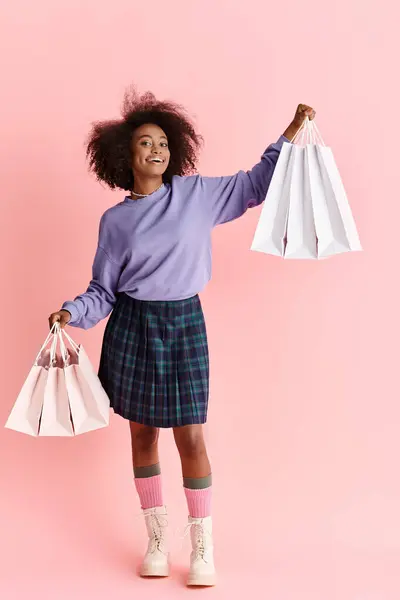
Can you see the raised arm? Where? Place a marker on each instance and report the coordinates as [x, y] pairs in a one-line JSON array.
[[231, 196]]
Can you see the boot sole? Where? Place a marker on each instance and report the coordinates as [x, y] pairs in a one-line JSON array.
[[155, 571], [202, 581]]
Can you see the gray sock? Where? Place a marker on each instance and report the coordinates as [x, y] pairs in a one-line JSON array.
[[197, 483], [151, 471]]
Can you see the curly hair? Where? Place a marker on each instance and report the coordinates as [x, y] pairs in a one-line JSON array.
[[109, 149]]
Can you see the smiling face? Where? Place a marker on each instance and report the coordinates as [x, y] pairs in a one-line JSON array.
[[150, 152]]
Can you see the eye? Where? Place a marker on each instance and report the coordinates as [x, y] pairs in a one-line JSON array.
[[145, 143]]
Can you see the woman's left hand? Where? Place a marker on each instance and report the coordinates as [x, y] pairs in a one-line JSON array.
[[303, 111]]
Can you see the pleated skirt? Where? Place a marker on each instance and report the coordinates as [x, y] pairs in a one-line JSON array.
[[154, 361]]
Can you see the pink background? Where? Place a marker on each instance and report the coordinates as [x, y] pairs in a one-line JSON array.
[[304, 417]]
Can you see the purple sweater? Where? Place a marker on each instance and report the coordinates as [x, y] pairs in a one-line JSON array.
[[159, 247]]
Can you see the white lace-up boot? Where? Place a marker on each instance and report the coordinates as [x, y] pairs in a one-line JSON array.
[[156, 560], [202, 569]]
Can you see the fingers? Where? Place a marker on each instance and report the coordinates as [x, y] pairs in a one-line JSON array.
[[57, 318], [62, 317], [53, 319], [306, 111]]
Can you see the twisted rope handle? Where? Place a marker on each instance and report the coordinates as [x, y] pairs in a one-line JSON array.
[[308, 133]]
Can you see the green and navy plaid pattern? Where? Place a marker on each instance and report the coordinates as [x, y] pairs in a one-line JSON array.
[[154, 361]]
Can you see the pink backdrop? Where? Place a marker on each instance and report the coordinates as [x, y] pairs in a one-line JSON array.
[[304, 417]]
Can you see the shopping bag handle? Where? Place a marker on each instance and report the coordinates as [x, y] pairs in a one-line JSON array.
[[52, 330], [56, 333], [71, 341], [308, 133], [63, 348]]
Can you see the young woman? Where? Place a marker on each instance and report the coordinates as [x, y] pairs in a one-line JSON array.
[[152, 260]]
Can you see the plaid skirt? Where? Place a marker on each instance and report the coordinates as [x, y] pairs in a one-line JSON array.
[[154, 361]]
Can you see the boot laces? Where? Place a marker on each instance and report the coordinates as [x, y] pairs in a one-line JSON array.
[[157, 522], [199, 534]]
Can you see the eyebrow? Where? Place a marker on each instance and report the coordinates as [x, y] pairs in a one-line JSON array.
[[149, 136]]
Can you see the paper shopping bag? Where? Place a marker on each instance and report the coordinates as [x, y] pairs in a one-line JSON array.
[[300, 233], [56, 415], [270, 233], [334, 223], [26, 413], [318, 220], [334, 226], [89, 403], [62, 395]]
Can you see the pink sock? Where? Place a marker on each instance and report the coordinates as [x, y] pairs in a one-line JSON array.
[[199, 502], [149, 490]]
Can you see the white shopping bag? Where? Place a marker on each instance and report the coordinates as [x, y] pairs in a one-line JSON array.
[[62, 395], [334, 223], [301, 239], [55, 419], [89, 403], [25, 414], [27, 411], [271, 229], [319, 220]]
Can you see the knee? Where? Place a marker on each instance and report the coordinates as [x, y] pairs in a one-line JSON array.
[[190, 443], [145, 438]]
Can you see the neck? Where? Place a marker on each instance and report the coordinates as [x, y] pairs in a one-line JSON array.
[[146, 186]]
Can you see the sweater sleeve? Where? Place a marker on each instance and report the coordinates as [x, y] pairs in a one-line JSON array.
[[97, 302], [231, 196]]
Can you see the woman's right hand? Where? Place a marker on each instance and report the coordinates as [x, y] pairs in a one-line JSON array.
[[62, 316]]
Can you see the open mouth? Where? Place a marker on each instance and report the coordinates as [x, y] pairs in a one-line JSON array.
[[156, 160]]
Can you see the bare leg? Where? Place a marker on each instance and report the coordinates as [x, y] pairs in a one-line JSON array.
[[144, 445], [192, 450]]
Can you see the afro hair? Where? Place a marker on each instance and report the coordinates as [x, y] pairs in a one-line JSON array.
[[109, 146]]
